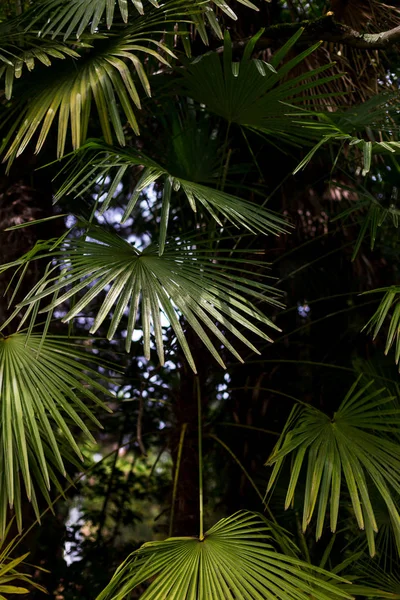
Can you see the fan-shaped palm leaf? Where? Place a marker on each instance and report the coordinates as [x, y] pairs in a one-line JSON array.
[[42, 387], [113, 163], [235, 560], [186, 280], [102, 75], [74, 16], [372, 211], [34, 50], [348, 127], [389, 306], [358, 443], [9, 574], [386, 579], [192, 146], [251, 92]]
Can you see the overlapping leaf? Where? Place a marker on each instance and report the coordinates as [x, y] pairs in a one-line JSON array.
[[235, 560], [73, 17], [354, 129], [388, 307], [45, 388], [372, 211], [34, 50], [186, 280], [358, 446], [102, 77], [113, 164], [251, 92], [10, 577]]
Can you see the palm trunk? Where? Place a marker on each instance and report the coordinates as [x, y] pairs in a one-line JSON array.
[[186, 505]]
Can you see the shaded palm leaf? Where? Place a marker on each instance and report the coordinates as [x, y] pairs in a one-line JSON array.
[[34, 50], [42, 387], [358, 442], [103, 76], [235, 560], [10, 578], [388, 307], [251, 92], [372, 212], [351, 127], [367, 148], [372, 574], [186, 280], [191, 148], [99, 164]]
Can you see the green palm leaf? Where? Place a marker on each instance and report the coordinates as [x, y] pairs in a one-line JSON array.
[[251, 92], [100, 77], [235, 560], [372, 211], [42, 388], [34, 50], [388, 307], [386, 578], [73, 17], [99, 163], [378, 114], [357, 446], [9, 574], [186, 280]]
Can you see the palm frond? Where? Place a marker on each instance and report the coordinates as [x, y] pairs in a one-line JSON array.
[[359, 443], [389, 306], [34, 50], [10, 577], [251, 92], [75, 16], [372, 212], [234, 560], [98, 163], [43, 385], [367, 148], [186, 280], [103, 75], [355, 129]]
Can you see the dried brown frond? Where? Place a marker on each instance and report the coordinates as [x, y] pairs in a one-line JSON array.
[[364, 72], [364, 69]]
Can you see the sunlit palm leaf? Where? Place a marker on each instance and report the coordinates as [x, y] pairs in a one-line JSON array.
[[251, 92], [109, 163], [235, 560], [357, 443], [73, 17], [186, 280], [103, 76], [43, 385]]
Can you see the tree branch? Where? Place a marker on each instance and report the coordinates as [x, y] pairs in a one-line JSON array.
[[327, 29]]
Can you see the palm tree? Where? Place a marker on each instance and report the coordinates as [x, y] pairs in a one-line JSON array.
[[88, 86]]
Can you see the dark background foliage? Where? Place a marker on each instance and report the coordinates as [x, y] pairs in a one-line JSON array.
[[125, 497]]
